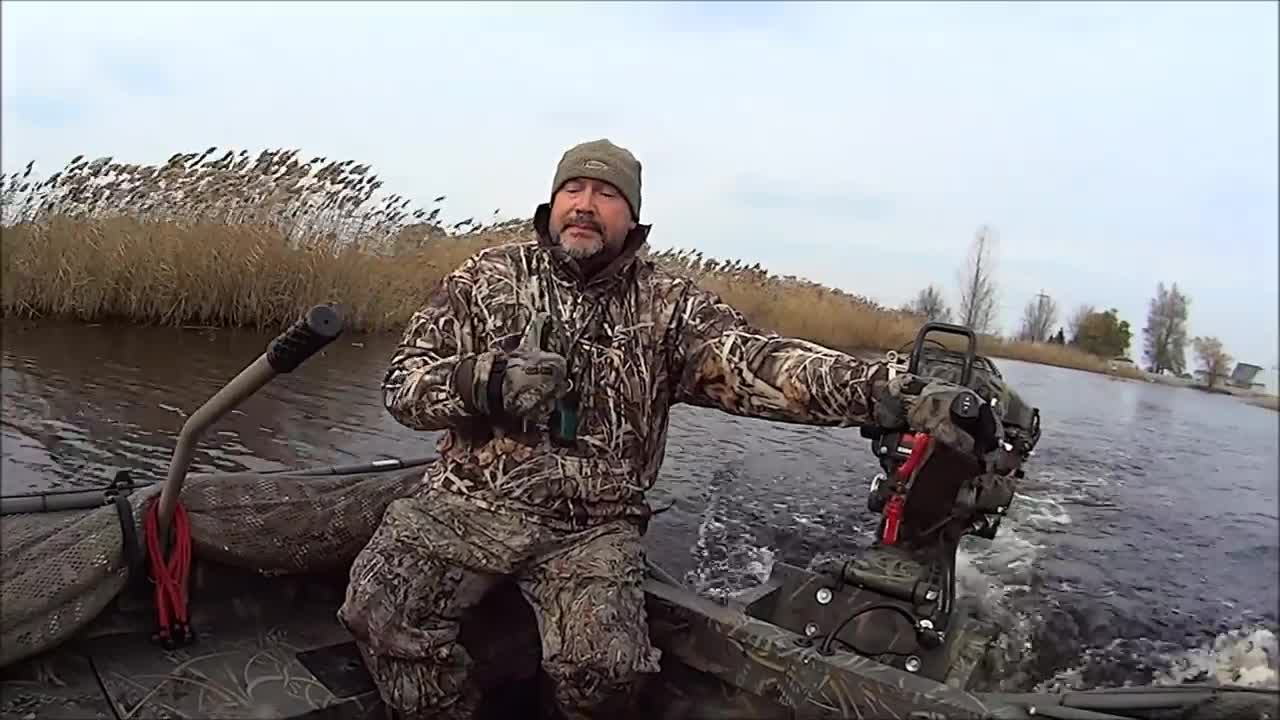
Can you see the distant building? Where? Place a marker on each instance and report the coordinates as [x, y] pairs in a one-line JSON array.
[[1220, 379], [1122, 362], [1243, 376]]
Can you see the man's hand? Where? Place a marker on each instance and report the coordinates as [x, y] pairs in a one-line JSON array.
[[953, 414], [533, 378]]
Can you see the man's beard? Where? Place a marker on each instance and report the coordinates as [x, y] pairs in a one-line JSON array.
[[581, 250]]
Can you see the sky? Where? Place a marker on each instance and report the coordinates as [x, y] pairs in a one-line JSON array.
[[1110, 146]]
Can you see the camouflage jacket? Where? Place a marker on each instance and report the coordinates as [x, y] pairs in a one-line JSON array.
[[637, 340]]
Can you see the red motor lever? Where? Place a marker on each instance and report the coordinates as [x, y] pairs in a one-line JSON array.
[[893, 509], [892, 519], [920, 443]]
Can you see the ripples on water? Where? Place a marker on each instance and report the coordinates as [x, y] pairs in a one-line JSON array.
[[1143, 546]]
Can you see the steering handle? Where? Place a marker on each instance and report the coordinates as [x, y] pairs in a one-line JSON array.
[[320, 326], [970, 353]]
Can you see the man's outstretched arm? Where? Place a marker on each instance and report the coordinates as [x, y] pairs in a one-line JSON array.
[[435, 375], [727, 364]]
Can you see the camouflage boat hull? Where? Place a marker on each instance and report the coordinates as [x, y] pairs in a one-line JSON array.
[[271, 647]]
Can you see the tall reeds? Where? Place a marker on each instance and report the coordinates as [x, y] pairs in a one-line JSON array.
[[230, 239]]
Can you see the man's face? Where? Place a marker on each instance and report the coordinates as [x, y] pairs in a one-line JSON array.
[[590, 219]]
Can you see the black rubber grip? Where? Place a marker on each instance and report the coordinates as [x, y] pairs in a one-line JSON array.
[[311, 332], [493, 387]]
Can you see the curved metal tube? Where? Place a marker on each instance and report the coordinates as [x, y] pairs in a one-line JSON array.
[[310, 333], [249, 381]]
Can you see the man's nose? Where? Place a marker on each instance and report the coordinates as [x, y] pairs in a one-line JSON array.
[[585, 201]]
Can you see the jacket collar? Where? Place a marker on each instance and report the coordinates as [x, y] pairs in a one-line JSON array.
[[634, 241]]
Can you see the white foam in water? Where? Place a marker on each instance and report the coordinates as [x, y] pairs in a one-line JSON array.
[[760, 565], [1040, 511], [1008, 559], [744, 564], [991, 575], [1239, 657], [1245, 657]]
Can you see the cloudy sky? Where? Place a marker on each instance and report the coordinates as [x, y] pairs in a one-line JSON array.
[[1111, 146]]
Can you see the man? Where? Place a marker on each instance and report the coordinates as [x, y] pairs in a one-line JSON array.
[[552, 364]]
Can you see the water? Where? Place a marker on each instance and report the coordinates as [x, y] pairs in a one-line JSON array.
[[1143, 547]]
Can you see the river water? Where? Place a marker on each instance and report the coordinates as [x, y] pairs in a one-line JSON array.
[[1143, 546]]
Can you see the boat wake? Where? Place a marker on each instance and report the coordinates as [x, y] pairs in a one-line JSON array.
[[1246, 657], [1051, 632]]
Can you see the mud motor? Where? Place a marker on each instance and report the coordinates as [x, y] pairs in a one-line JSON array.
[[893, 601], [929, 493]]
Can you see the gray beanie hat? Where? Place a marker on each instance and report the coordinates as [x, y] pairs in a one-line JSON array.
[[604, 161]]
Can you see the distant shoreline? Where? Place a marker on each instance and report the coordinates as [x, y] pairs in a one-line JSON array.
[[234, 241], [242, 275]]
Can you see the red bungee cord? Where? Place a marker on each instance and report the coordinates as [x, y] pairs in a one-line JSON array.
[[170, 575]]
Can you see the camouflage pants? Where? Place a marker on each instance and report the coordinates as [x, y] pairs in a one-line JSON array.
[[433, 557]]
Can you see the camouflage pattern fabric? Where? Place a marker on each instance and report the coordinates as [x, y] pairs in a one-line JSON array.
[[930, 412], [986, 380], [923, 404], [636, 340], [436, 555], [532, 377], [562, 516]]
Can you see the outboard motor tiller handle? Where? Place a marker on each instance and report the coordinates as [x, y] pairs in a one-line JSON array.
[[304, 338], [290, 349], [970, 352], [873, 432]]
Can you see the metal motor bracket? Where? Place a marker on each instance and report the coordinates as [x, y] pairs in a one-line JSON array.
[[970, 352]]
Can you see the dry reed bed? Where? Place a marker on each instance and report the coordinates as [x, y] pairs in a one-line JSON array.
[[233, 240], [1270, 402]]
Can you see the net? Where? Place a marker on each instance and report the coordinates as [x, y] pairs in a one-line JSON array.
[[59, 570]]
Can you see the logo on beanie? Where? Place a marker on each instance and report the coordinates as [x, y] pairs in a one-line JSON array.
[[594, 165]]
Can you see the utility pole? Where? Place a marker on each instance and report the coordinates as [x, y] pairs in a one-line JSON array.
[[1041, 317]]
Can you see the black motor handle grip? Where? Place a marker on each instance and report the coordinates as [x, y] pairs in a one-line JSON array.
[[319, 327]]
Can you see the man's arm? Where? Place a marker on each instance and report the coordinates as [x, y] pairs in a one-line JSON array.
[[435, 374], [725, 363]]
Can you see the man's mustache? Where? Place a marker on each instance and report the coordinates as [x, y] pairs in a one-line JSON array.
[[584, 221]]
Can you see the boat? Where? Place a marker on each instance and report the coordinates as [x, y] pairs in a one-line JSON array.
[[236, 616]]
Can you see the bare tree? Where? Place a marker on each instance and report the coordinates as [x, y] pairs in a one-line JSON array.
[[1213, 359], [1166, 331], [930, 305], [977, 283], [1077, 319], [1038, 318]]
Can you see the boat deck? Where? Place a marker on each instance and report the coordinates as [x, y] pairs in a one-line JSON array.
[[266, 648]]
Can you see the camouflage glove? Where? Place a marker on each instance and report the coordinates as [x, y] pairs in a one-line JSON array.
[[526, 382], [953, 414]]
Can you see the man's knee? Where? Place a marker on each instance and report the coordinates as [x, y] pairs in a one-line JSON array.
[[404, 601], [603, 651], [404, 605], [595, 632], [413, 689], [592, 684]]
